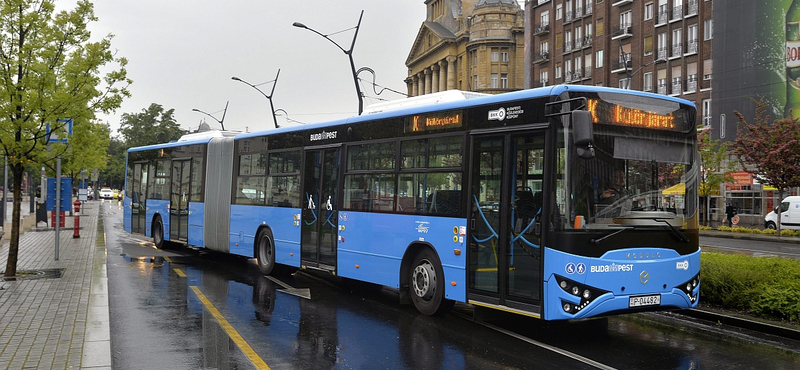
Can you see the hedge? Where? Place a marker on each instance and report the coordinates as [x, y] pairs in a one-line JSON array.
[[767, 287]]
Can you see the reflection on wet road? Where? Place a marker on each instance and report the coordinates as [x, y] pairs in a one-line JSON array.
[[188, 309]]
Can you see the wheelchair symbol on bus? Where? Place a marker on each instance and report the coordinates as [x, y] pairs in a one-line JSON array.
[[572, 268]]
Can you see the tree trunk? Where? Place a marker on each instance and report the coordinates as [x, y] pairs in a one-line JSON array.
[[13, 245]]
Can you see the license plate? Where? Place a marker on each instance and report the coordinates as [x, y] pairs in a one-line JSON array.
[[644, 300]]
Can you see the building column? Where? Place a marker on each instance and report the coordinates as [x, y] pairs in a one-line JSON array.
[[443, 67], [451, 73], [427, 72], [435, 78], [420, 84], [413, 81]]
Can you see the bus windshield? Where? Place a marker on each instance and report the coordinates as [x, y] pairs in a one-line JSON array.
[[638, 177]]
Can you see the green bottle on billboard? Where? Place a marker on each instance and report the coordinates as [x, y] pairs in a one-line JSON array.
[[793, 59]]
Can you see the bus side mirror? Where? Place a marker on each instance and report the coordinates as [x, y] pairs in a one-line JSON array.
[[583, 133]]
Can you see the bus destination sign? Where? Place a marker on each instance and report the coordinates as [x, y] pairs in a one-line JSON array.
[[604, 112], [434, 121]]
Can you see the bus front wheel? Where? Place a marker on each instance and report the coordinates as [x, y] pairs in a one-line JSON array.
[[265, 252], [426, 284]]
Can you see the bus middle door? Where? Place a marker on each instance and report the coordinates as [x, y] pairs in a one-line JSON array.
[[319, 228]]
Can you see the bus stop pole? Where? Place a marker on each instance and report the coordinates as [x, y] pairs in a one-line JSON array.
[[58, 203]]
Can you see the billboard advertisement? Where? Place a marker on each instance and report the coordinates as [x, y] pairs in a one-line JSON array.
[[756, 57]]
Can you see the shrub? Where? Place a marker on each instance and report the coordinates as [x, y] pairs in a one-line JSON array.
[[767, 287], [786, 232], [769, 232]]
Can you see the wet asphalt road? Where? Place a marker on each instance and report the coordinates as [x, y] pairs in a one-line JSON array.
[[186, 309]]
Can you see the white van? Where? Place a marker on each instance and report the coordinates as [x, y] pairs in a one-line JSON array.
[[790, 215]]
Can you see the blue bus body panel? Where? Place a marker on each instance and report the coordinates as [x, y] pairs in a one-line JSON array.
[[196, 220], [285, 226], [157, 207], [372, 245], [622, 273], [126, 214]]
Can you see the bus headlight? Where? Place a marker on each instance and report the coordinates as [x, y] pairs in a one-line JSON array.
[[585, 293], [689, 287]]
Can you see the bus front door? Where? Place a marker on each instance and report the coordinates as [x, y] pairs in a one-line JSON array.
[[179, 200], [506, 201], [320, 217], [138, 198]]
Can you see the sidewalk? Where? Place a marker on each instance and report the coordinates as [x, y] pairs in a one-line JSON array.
[[57, 318]]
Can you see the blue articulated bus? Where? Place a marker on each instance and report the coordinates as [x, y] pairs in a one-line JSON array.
[[563, 202]]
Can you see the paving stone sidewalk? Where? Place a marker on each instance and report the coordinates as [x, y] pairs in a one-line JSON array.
[[58, 320]]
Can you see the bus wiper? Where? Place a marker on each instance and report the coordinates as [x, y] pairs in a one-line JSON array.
[[675, 231], [597, 241]]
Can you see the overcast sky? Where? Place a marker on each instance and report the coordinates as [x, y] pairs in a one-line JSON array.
[[183, 54]]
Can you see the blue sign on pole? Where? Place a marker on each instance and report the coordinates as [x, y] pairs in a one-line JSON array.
[[66, 194]]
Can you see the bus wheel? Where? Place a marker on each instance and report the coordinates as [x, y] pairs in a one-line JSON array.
[[427, 284], [265, 252], [158, 232]]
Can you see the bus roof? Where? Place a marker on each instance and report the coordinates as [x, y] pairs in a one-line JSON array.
[[469, 99], [447, 104]]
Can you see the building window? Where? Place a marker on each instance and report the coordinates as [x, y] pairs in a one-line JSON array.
[[625, 19], [543, 79], [559, 11], [624, 83], [648, 81], [600, 27], [504, 56], [708, 29], [558, 70], [494, 80], [599, 59], [504, 80], [648, 45], [495, 56], [474, 82], [706, 112], [648, 11], [544, 19]]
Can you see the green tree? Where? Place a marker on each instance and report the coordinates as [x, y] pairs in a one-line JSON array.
[[114, 175], [771, 149], [153, 125], [713, 171], [49, 70]]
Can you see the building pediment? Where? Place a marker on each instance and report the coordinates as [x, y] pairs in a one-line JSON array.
[[430, 36]]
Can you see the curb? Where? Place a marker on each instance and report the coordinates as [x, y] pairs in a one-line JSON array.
[[741, 323]]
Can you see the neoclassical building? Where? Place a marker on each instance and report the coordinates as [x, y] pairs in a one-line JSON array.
[[472, 45]]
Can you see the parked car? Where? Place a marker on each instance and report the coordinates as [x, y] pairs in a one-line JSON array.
[[790, 214], [106, 193]]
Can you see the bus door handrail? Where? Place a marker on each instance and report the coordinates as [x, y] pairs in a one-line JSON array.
[[494, 233]]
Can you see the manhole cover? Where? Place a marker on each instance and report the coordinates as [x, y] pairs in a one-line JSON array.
[[35, 274]]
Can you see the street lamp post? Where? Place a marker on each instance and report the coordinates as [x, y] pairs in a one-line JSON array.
[[349, 53], [215, 119], [269, 97]]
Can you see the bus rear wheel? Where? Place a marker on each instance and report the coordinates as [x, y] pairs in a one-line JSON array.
[[265, 252], [158, 232], [426, 285]]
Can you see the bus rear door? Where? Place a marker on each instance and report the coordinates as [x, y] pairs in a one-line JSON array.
[[506, 201], [138, 198], [320, 216]]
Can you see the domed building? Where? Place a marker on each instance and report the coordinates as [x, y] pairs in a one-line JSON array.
[[468, 45]]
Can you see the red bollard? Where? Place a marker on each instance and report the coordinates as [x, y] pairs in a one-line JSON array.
[[76, 229]]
